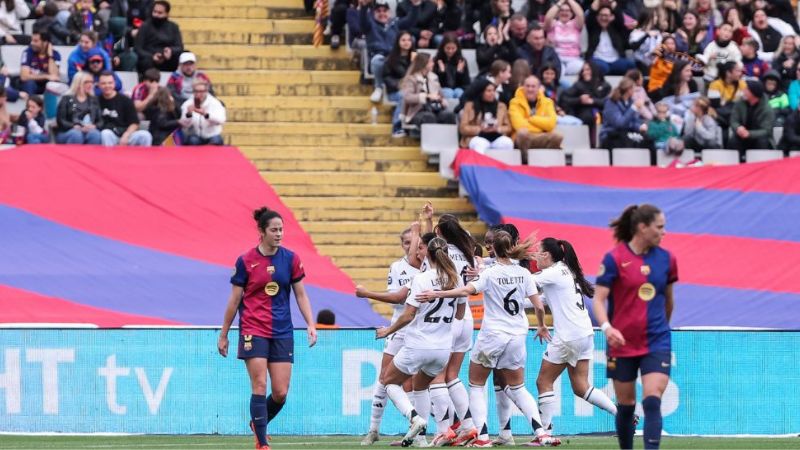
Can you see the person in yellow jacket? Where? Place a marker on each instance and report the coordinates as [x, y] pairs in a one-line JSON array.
[[533, 118]]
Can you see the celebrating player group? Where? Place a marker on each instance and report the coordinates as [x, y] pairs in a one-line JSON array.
[[431, 329]]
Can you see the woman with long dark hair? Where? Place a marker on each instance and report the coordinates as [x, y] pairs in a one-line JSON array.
[[422, 94], [394, 69], [451, 68], [564, 286], [636, 278], [586, 97], [622, 123], [484, 121], [494, 47]]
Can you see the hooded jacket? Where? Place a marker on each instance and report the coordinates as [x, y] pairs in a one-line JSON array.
[[78, 58], [542, 120]]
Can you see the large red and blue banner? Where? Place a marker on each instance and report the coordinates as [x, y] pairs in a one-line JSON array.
[[733, 229], [141, 236]]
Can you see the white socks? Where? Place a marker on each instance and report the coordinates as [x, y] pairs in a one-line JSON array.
[[461, 402], [440, 398], [525, 402], [504, 410], [547, 406], [378, 405], [400, 399], [600, 399], [422, 404], [477, 406]]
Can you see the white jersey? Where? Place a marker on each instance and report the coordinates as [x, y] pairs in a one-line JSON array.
[[400, 275], [460, 261], [505, 287], [430, 328], [570, 317]]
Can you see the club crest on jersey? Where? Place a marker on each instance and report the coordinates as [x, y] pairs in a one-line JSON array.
[[601, 270], [647, 292], [272, 288], [270, 269], [611, 363], [645, 270], [248, 342]]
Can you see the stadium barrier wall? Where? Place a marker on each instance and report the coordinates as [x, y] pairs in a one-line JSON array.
[[172, 381]]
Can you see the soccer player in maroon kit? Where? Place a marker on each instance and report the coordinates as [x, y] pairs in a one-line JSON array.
[[262, 281], [636, 277]]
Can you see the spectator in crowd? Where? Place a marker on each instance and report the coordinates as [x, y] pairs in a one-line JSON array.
[[326, 319], [752, 120], [622, 122], [120, 124], [162, 114], [564, 24], [78, 118], [484, 121], [94, 65], [144, 93], [202, 117], [520, 70], [662, 132], [451, 68], [778, 100], [587, 97], [727, 89], [425, 25], [79, 57], [700, 127], [32, 121], [782, 10], [752, 65], [85, 18], [745, 8], [536, 10], [450, 13], [63, 9], [159, 43], [607, 38], [740, 30], [422, 98], [181, 82], [720, 51], [786, 60], [517, 30], [381, 31], [794, 90], [536, 51], [47, 23], [338, 18], [533, 118], [39, 65], [12, 12], [496, 13], [662, 64], [668, 15], [707, 13], [645, 39], [691, 38], [640, 94], [499, 75], [679, 91], [394, 69], [551, 85], [791, 132], [768, 32], [494, 47], [5, 119]]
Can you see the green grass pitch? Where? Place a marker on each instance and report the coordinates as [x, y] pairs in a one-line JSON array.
[[11, 442]]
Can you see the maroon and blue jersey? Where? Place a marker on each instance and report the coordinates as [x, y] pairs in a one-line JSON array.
[[267, 282], [636, 303]]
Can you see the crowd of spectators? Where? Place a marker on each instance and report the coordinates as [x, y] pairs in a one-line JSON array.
[[685, 73], [172, 103]]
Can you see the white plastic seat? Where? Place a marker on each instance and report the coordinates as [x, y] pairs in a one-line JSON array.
[[593, 157], [613, 80], [12, 57], [757, 155], [16, 107], [630, 157], [162, 80], [720, 157], [129, 81], [446, 158], [546, 157], [662, 159], [471, 57], [777, 134], [794, 153], [436, 138], [511, 157], [576, 137]]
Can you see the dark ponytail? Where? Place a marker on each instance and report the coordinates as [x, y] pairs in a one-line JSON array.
[[263, 215], [453, 233], [562, 250], [445, 269], [625, 225]]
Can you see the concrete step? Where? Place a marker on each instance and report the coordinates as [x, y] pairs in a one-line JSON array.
[[238, 11], [268, 62], [244, 89], [389, 179], [316, 102], [272, 3], [356, 238], [334, 191], [347, 262], [270, 51], [339, 166], [406, 205], [305, 109], [255, 26], [364, 215], [284, 77], [475, 227], [363, 274], [356, 154], [243, 137]]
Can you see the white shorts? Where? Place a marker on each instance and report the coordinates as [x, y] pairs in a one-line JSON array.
[[412, 360], [394, 342], [462, 335], [498, 350], [569, 352]]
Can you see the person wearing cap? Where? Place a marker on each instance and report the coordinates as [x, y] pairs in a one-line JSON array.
[[181, 81], [778, 100], [202, 117], [752, 120], [95, 66], [381, 31], [79, 56], [120, 123], [158, 43]]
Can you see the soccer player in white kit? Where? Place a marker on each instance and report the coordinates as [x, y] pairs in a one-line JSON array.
[[564, 287], [501, 340], [428, 340]]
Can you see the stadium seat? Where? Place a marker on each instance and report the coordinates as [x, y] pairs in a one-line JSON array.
[[576, 137], [510, 157], [64, 51], [546, 157], [594, 157], [446, 158], [162, 81], [762, 155], [12, 57], [662, 159], [436, 138], [794, 153], [777, 134], [613, 80], [720, 157], [630, 157], [472, 61], [129, 81], [16, 107], [27, 26]]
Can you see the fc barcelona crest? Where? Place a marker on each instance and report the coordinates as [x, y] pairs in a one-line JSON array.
[[248, 342], [645, 270], [270, 269]]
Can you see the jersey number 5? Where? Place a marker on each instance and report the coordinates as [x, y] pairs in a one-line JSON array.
[[581, 304], [430, 318], [509, 304]]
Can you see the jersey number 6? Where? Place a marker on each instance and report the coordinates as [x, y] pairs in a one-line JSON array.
[[509, 304]]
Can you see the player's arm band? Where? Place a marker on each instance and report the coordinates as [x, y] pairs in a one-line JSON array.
[[605, 326]]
